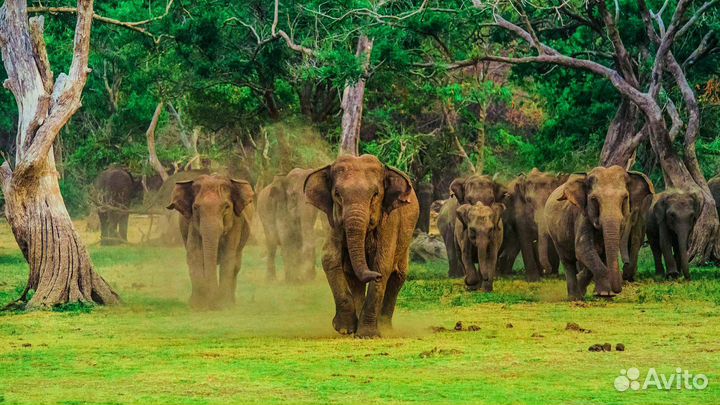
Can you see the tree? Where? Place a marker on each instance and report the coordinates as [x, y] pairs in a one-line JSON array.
[[60, 268]]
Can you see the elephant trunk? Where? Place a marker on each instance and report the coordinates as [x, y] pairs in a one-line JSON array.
[[483, 243], [611, 238], [210, 234], [356, 222], [682, 235]]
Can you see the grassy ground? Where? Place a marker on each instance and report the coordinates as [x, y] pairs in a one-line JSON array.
[[277, 346]]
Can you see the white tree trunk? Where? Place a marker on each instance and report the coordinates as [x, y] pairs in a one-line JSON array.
[[60, 268], [352, 103]]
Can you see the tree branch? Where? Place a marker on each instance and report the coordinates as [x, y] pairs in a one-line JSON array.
[[695, 17], [136, 26], [150, 136]]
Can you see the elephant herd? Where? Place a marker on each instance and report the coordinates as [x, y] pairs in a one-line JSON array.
[[586, 221], [371, 212]]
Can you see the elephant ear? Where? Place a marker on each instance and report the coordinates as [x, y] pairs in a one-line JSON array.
[[640, 188], [499, 190], [457, 188], [462, 214], [498, 210], [242, 195], [698, 203], [397, 189], [182, 198], [317, 190], [659, 209], [575, 191]]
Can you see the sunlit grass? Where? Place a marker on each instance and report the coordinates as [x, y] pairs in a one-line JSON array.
[[278, 346]]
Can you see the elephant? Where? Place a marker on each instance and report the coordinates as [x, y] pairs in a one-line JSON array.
[[714, 185], [585, 218], [670, 223], [523, 219], [216, 214], [470, 190], [372, 211], [641, 197], [289, 222], [116, 189], [479, 234]]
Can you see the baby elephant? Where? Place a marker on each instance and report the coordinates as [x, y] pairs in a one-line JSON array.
[[479, 234], [215, 225], [670, 223]]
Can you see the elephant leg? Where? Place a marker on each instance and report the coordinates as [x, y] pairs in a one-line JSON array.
[[113, 225], [308, 259], [584, 277], [630, 268], [455, 266], [682, 264], [666, 246], [271, 253], [657, 257], [572, 279], [271, 244], [104, 223], [357, 287], [509, 253], [229, 267], [472, 279], [526, 237], [392, 289], [199, 296], [544, 254], [123, 225], [368, 324], [345, 320], [383, 263], [307, 238]]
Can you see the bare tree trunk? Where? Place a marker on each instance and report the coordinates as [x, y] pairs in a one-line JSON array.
[[150, 135], [189, 142], [60, 268], [480, 143], [621, 141], [352, 102]]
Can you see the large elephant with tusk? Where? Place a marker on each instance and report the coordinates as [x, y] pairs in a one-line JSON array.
[[372, 211], [586, 217]]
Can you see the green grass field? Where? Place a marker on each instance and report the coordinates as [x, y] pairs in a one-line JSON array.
[[278, 346]]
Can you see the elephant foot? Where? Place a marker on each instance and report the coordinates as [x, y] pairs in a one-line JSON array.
[[672, 275], [385, 322], [487, 286], [576, 298], [472, 281], [473, 287], [533, 277], [345, 323], [198, 303], [367, 332], [604, 293], [368, 276]]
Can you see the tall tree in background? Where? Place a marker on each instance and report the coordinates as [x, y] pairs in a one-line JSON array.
[[60, 268]]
